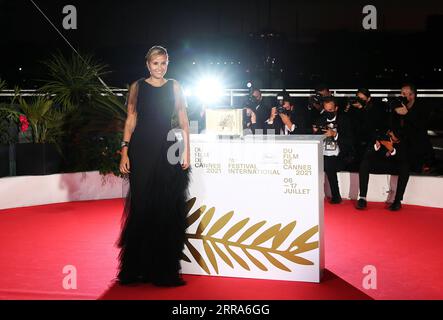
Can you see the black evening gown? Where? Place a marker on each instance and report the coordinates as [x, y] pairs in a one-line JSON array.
[[154, 219]]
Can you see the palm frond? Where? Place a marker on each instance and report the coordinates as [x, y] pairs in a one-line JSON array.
[[2, 84], [73, 81]]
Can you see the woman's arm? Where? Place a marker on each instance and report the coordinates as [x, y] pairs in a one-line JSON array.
[[130, 123], [180, 107]]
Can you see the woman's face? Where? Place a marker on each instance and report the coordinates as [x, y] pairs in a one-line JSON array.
[[158, 66]]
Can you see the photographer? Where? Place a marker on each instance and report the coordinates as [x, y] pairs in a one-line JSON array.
[[389, 154], [337, 144], [288, 118], [413, 122], [315, 102], [366, 116], [256, 110]]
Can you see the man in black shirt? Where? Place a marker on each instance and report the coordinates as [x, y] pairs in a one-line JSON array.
[[315, 103], [337, 144], [366, 117], [257, 110], [288, 118], [414, 124]]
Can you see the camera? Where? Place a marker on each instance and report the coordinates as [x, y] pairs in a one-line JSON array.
[[315, 102], [316, 98], [281, 99], [354, 100], [281, 109], [393, 103], [323, 126]]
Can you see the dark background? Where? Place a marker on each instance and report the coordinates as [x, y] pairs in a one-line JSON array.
[[292, 44]]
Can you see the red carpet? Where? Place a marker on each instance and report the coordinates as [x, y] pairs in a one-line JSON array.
[[37, 242], [404, 246]]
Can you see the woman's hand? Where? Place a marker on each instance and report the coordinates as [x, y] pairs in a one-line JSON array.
[[124, 163], [186, 161]]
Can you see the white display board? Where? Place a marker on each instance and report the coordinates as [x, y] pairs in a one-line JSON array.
[[256, 208]]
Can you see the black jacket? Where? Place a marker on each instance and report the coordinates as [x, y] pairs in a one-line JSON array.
[[366, 122], [412, 129], [262, 112]]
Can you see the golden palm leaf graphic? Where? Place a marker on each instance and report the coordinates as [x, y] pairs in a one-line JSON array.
[[212, 245]]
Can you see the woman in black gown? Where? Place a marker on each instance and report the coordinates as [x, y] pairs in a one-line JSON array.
[[153, 230]]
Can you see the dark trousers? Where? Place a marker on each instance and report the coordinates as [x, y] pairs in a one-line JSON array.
[[332, 166], [377, 162], [422, 152]]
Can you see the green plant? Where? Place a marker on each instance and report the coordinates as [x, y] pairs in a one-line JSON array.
[[10, 118], [98, 134], [2, 84], [45, 120], [99, 153], [8, 125], [94, 116], [73, 81]]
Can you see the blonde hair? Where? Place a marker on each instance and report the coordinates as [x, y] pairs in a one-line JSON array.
[[156, 51]]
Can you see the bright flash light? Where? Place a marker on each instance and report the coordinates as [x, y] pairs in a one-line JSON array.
[[187, 92], [209, 89], [249, 84]]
